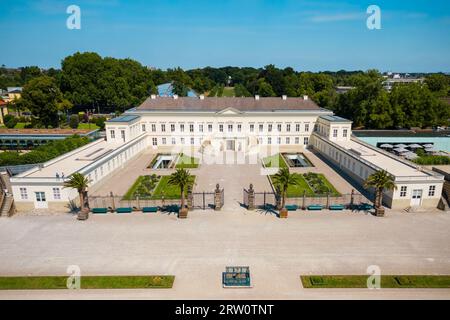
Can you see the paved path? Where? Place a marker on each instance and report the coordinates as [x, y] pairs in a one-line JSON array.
[[197, 250]]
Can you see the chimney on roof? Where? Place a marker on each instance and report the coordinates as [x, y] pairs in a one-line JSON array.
[[257, 97], [305, 97], [284, 97], [175, 96], [202, 97], [153, 96]]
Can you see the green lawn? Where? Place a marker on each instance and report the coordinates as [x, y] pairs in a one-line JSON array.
[[87, 282], [275, 161], [168, 190], [228, 92], [187, 162], [296, 191], [87, 126], [320, 184], [20, 125], [142, 187], [387, 281]]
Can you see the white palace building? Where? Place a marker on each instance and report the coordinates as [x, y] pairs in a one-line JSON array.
[[214, 125]]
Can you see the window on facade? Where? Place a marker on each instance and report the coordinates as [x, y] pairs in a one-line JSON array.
[[23, 193], [279, 127], [182, 140], [122, 133], [163, 127], [306, 141], [431, 191], [153, 127], [307, 127], [182, 127], [200, 128], [269, 140], [172, 128], [288, 127], [191, 128], [345, 133], [164, 141], [297, 127], [209, 127], [174, 141], [279, 140], [56, 194], [261, 128], [230, 128], [335, 133], [239, 127], [192, 141], [155, 141], [269, 127], [288, 140], [220, 127], [297, 140], [113, 134], [403, 190], [252, 128], [143, 128]]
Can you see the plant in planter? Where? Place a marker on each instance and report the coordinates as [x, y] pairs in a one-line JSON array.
[[80, 182], [181, 178], [380, 180], [283, 179]]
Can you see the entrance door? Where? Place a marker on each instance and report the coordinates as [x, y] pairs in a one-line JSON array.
[[41, 201], [416, 198], [231, 145]]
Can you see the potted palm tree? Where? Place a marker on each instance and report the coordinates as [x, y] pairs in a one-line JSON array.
[[80, 182], [380, 180], [181, 178], [283, 179]]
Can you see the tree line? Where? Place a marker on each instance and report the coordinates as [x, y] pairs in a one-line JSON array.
[[88, 81]]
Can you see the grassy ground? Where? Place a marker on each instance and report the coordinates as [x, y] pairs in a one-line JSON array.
[[275, 161], [87, 126], [296, 191], [228, 92], [187, 162], [168, 190], [145, 186], [387, 281], [20, 125], [87, 282]]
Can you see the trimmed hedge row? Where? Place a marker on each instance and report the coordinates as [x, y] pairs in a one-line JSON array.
[[43, 153]]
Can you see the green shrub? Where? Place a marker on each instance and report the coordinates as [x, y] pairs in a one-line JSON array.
[[73, 121]]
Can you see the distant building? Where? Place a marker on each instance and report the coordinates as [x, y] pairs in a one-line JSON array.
[[3, 110], [11, 94], [166, 90], [343, 89], [392, 79]]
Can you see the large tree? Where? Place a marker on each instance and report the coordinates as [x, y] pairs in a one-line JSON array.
[[42, 97]]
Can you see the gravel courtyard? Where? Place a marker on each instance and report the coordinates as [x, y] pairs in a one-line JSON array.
[[197, 250]]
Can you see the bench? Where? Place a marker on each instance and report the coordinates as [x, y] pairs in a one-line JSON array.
[[365, 206], [291, 207], [315, 207], [124, 210], [99, 210], [149, 209], [337, 207]]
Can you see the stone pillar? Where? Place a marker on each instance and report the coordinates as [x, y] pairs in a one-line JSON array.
[[251, 198], [328, 200], [352, 196], [138, 204], [190, 198], [113, 205], [304, 200], [278, 197], [217, 198]]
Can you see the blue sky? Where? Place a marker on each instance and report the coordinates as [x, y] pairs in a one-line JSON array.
[[305, 34]]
